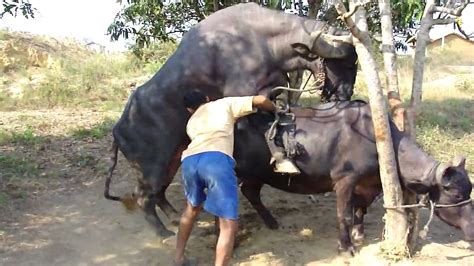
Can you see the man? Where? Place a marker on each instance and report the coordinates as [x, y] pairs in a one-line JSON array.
[[207, 163]]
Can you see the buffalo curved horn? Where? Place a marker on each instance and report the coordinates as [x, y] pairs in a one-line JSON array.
[[341, 38], [440, 170], [459, 161], [331, 46]]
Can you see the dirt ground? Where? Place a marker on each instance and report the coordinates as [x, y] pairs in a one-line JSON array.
[[66, 221]]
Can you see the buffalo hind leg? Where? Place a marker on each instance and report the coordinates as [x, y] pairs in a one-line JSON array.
[[344, 192], [251, 190], [362, 198], [149, 203], [358, 234], [162, 201], [166, 207]]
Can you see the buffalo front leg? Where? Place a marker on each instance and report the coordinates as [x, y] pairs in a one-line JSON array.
[[344, 191], [251, 190]]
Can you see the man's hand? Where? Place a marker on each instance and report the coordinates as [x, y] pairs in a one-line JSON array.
[[264, 103]]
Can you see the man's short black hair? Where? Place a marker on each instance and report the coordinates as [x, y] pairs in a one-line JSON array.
[[194, 98]]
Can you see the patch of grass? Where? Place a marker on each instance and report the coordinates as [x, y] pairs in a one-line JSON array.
[[13, 166], [454, 114], [83, 159], [82, 84], [465, 84], [25, 137], [98, 131], [3, 198], [445, 144]]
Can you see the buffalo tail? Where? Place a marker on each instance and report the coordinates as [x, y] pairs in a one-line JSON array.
[[114, 157], [128, 200]]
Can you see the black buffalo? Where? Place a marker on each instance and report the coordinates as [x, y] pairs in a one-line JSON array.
[[241, 50], [338, 153]]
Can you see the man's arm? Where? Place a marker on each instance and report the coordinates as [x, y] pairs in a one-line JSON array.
[[263, 103]]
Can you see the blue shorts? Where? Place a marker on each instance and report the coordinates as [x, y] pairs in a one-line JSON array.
[[213, 171]]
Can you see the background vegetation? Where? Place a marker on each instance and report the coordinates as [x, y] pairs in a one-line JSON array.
[[41, 72]]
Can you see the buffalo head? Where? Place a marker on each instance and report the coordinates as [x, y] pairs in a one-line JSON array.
[[340, 77], [453, 186], [339, 61]]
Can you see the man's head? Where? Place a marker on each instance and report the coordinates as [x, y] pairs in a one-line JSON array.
[[193, 99]]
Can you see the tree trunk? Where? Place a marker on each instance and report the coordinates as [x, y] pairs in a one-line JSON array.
[[396, 225], [216, 5], [313, 8], [422, 40], [390, 62], [396, 106]]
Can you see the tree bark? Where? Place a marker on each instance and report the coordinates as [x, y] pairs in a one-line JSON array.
[[390, 62], [422, 40], [313, 8], [216, 5], [396, 107], [396, 225]]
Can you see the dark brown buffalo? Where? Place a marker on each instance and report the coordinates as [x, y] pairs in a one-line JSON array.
[[241, 50], [338, 153]]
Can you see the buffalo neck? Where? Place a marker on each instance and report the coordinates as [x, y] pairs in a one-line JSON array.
[[413, 163]]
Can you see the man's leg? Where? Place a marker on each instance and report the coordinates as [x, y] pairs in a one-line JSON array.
[[225, 243], [185, 227]]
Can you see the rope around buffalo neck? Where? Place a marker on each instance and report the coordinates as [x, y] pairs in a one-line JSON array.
[[424, 232]]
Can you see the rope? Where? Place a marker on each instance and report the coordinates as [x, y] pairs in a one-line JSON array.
[[307, 80], [423, 233], [453, 205], [291, 89], [417, 205]]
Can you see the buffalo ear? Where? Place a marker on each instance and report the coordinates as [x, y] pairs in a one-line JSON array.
[[303, 50], [459, 161], [418, 187]]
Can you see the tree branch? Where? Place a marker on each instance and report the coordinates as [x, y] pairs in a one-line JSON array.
[[341, 10], [458, 26], [351, 12], [443, 21], [451, 11]]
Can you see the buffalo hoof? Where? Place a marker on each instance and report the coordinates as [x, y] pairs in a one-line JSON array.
[[270, 222], [358, 236], [186, 262], [164, 233], [273, 224], [347, 252]]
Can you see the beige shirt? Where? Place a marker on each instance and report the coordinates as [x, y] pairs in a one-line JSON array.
[[211, 127]]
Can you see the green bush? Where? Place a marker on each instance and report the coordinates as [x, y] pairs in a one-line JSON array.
[[14, 167], [84, 79], [97, 132], [83, 82], [155, 55], [25, 137]]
